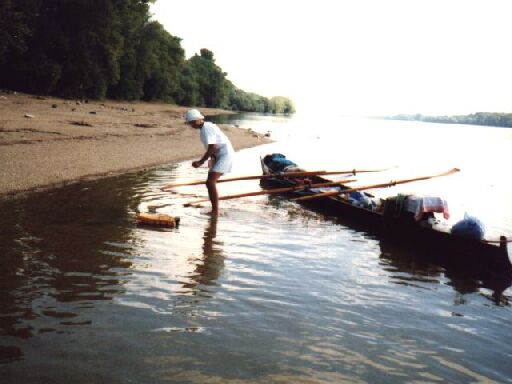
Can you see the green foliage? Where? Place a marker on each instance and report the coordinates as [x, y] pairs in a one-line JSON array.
[[95, 42], [111, 48], [492, 119], [14, 28], [188, 91], [239, 100], [16, 20], [281, 104], [161, 58], [133, 16], [209, 78]]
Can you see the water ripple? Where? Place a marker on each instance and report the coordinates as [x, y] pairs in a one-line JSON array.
[[268, 292]]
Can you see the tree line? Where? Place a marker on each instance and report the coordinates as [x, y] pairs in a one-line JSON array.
[[111, 49], [491, 119]]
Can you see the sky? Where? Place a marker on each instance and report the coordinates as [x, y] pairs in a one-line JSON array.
[[357, 57]]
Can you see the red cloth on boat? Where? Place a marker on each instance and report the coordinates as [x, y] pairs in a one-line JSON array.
[[424, 204]]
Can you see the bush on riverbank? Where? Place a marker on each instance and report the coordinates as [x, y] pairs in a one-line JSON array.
[[491, 119]]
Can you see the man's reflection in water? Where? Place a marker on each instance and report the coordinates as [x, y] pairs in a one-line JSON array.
[[213, 260]]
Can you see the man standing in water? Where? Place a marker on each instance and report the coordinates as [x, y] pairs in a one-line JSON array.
[[218, 150]]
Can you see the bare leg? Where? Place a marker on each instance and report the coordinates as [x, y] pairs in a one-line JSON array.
[[211, 184]]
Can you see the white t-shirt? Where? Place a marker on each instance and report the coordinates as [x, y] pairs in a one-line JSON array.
[[211, 134]]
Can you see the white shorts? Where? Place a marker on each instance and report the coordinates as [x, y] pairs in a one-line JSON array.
[[223, 160]]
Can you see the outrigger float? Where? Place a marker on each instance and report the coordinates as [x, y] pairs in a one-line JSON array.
[[388, 219]]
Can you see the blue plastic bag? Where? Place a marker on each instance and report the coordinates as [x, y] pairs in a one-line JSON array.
[[469, 227]]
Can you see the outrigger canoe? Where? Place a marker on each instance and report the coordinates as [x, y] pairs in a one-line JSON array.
[[489, 259]]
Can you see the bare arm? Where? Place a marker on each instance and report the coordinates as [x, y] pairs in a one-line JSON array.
[[212, 148]]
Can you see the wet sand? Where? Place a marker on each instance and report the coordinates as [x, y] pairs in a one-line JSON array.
[[47, 142]]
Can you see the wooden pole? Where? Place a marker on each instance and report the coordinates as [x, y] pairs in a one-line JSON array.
[[273, 191], [256, 177], [285, 174], [390, 184]]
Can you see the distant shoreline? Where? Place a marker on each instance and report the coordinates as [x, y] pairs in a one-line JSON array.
[[489, 119], [47, 142]]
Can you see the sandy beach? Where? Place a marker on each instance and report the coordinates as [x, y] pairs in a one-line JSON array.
[[47, 142]]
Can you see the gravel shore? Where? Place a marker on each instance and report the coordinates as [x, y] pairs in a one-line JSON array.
[[47, 142]]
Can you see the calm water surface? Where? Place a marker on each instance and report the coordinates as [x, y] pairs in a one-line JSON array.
[[269, 291]]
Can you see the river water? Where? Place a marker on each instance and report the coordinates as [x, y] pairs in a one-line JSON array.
[[267, 293]]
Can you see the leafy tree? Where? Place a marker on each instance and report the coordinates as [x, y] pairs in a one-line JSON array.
[[280, 104], [210, 79], [161, 60], [14, 27], [480, 118], [100, 48], [188, 92], [95, 45], [133, 17]]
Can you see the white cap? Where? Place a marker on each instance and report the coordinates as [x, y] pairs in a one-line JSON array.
[[192, 115]]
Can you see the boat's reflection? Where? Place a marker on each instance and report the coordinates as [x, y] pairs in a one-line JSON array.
[[410, 262], [421, 265]]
